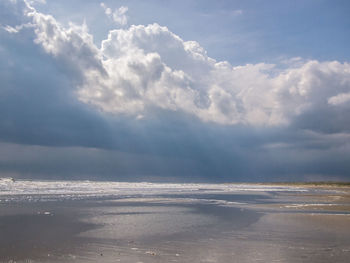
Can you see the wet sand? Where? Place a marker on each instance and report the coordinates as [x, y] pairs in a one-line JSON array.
[[199, 226]]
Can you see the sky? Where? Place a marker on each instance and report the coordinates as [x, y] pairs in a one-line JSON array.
[[179, 91]]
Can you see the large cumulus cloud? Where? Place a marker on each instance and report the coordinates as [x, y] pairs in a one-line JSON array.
[[143, 67]]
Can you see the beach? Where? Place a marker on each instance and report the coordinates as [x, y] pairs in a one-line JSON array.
[[43, 221]]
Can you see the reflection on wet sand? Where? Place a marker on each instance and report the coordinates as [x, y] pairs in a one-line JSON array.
[[310, 224]]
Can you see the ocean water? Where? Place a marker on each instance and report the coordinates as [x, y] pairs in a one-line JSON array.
[[30, 190]]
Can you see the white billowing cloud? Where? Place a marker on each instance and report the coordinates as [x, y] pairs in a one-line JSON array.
[[108, 11], [73, 46], [151, 66], [118, 16], [341, 98], [309, 86], [145, 67]]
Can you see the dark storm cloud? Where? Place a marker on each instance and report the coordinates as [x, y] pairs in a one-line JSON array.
[[37, 104]]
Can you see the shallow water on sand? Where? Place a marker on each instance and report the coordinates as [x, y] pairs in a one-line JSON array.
[[143, 222]]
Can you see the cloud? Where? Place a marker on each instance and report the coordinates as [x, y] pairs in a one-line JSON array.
[[16, 29], [118, 15], [77, 162], [11, 29], [164, 107], [145, 67], [237, 12], [33, 1], [226, 154], [339, 99], [37, 104], [181, 77], [72, 46]]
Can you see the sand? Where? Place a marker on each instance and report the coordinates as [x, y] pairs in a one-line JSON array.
[[188, 226]]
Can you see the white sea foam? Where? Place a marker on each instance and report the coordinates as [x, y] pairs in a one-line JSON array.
[[309, 205], [39, 190]]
